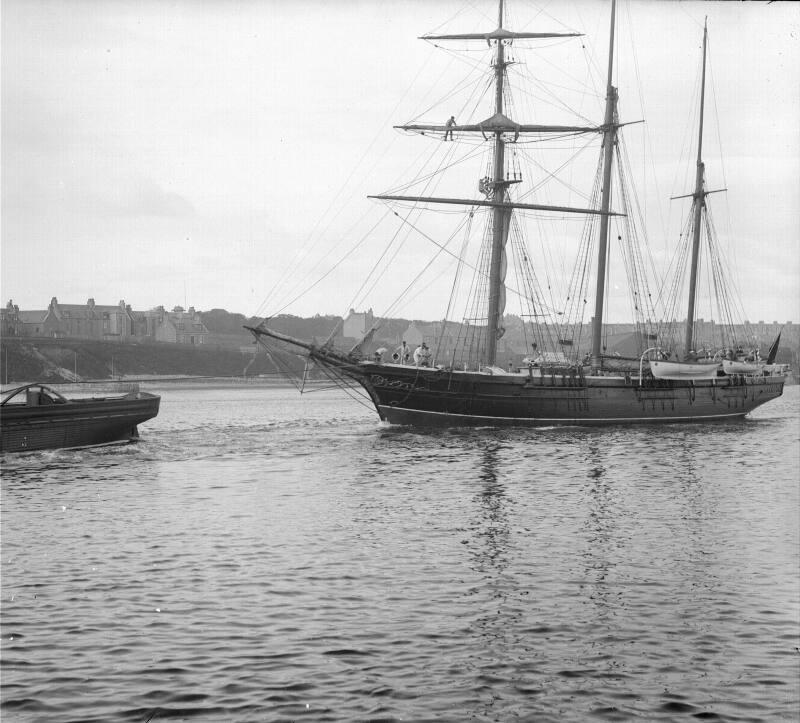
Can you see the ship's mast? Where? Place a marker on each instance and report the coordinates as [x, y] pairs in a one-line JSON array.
[[497, 198], [501, 217], [609, 142], [699, 204]]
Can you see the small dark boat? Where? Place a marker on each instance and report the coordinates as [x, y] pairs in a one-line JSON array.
[[36, 417]]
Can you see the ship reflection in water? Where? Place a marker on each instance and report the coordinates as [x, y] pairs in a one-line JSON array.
[[261, 555]]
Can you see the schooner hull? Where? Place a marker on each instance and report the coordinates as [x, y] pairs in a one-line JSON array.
[[430, 397]]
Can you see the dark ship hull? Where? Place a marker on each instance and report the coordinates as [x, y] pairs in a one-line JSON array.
[[53, 422], [538, 396], [434, 397]]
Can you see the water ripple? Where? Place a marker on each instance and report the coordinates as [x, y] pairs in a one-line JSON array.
[[264, 556]]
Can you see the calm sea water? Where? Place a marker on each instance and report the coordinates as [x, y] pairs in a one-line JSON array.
[[262, 556]]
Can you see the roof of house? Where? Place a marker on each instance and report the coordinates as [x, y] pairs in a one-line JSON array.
[[83, 311], [184, 317]]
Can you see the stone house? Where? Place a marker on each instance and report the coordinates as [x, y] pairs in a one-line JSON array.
[[89, 321], [19, 322], [31, 323], [176, 326], [357, 324], [10, 324]]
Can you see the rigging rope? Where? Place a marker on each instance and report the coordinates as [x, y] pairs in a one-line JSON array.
[[456, 281], [300, 254]]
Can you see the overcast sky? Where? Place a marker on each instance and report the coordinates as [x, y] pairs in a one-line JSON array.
[[184, 152]]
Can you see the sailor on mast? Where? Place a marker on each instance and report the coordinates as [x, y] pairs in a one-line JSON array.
[[449, 128]]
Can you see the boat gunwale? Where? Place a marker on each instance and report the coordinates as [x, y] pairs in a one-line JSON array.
[[62, 400], [611, 378]]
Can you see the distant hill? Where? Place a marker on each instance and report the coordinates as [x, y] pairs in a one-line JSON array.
[[227, 328], [219, 321]]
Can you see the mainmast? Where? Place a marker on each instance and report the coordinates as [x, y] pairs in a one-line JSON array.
[[609, 141], [501, 217], [499, 128], [699, 204]]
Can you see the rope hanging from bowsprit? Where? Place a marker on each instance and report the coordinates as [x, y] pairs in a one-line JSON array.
[[280, 360]]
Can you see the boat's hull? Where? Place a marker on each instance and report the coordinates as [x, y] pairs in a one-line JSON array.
[[429, 397], [76, 423], [679, 371], [737, 367]]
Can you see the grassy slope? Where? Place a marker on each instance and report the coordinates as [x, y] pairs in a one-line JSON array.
[[54, 360]]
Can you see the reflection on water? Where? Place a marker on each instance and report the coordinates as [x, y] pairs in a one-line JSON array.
[[600, 529], [492, 521], [264, 556]]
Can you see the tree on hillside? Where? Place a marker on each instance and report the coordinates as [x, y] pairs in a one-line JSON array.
[[219, 321], [317, 327]]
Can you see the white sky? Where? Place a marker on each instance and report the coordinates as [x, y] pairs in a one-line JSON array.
[[185, 151]]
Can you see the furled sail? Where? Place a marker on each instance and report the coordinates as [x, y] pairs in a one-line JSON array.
[[773, 350]]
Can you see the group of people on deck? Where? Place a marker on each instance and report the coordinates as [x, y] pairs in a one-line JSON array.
[[421, 355]]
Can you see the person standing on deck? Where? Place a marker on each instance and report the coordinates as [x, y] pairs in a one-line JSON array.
[[402, 354]]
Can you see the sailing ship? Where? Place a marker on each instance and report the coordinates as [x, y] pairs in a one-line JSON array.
[[566, 379]]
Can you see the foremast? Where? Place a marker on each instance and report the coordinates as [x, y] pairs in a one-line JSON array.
[[499, 126], [699, 204], [609, 142]]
